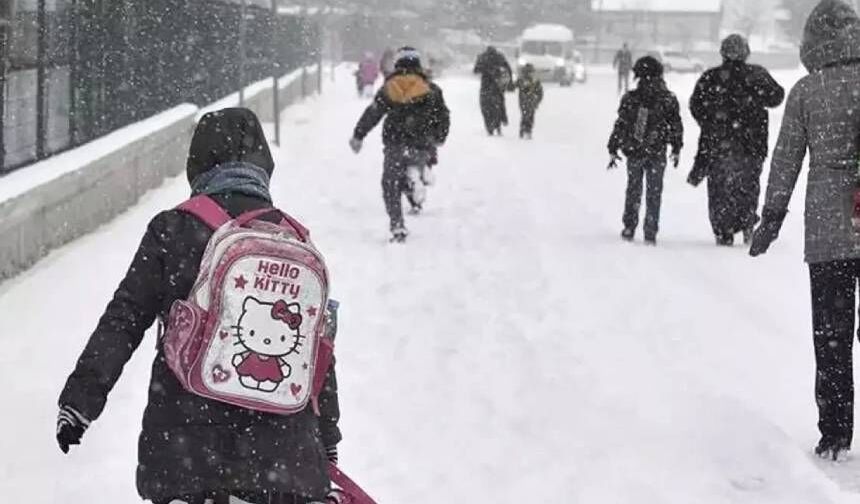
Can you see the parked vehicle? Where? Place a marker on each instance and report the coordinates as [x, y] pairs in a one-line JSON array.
[[550, 49], [678, 61]]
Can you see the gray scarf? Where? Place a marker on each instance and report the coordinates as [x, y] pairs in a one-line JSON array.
[[232, 178]]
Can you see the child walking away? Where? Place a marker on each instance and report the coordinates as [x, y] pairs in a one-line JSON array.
[[649, 120], [239, 406], [366, 75], [416, 123], [531, 95]]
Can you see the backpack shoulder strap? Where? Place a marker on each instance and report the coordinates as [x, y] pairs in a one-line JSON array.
[[206, 209], [350, 487]]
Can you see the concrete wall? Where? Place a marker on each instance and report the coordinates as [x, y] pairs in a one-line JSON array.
[[71, 194]]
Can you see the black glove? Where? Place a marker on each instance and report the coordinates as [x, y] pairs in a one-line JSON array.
[[676, 159], [614, 158], [331, 454], [71, 426], [767, 232]]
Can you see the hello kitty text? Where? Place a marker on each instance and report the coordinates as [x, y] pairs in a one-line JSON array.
[[278, 278]]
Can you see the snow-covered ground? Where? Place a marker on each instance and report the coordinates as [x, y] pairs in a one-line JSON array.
[[515, 350]]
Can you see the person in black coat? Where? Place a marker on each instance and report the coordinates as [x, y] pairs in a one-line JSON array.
[[730, 104], [649, 121], [417, 122], [496, 79], [531, 96], [192, 448]]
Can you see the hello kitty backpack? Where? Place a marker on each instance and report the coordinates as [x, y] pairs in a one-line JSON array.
[[252, 333]]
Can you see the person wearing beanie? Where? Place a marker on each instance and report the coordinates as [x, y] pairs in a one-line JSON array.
[[730, 104], [193, 449], [531, 96], [417, 121], [496, 79], [821, 117], [649, 122]]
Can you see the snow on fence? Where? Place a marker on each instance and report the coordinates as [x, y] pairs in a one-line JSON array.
[[57, 200]]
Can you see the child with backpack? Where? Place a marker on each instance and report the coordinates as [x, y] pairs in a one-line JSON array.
[[531, 96], [649, 120], [243, 397]]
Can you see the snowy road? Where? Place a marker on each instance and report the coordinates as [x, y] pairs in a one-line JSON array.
[[513, 351]]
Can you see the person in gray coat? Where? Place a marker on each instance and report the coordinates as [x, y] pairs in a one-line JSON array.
[[823, 116]]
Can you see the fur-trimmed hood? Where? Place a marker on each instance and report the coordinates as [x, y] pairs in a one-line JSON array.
[[404, 88]]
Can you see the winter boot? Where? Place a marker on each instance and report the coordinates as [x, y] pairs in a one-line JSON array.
[[399, 234], [835, 450], [628, 234], [651, 240], [725, 240]]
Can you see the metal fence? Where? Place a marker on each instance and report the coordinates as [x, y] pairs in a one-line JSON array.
[[74, 70]]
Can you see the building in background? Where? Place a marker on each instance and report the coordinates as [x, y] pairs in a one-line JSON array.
[[647, 24]]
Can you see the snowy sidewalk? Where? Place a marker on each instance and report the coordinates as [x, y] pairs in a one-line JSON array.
[[513, 351]]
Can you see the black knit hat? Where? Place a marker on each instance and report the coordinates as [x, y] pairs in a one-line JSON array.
[[408, 58], [648, 67], [232, 134], [735, 48]]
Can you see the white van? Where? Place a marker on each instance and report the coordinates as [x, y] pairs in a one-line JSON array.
[[549, 48]]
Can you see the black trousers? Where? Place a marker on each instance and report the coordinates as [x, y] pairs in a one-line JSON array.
[[734, 186], [649, 171], [395, 180], [527, 119], [834, 311], [494, 109]]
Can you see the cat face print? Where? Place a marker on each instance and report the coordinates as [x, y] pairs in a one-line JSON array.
[[270, 329]]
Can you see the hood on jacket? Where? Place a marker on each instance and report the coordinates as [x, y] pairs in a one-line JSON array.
[[735, 48], [228, 135], [831, 36], [406, 88]]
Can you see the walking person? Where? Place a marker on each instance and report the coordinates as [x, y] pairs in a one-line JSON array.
[[649, 122], [193, 448], [730, 104], [821, 116], [496, 79], [416, 124], [623, 63], [367, 74], [531, 96]]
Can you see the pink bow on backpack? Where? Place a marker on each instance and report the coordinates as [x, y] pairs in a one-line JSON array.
[[281, 311]]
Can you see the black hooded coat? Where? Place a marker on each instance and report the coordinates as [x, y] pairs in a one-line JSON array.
[[496, 78], [730, 104], [191, 445]]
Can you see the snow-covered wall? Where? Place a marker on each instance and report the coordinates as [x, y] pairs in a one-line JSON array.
[[57, 200]]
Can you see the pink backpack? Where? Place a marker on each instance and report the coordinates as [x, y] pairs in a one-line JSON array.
[[252, 332]]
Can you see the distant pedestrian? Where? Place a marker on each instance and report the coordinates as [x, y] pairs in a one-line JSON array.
[[649, 121], [496, 79], [730, 104], [367, 74], [531, 96], [623, 63]]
